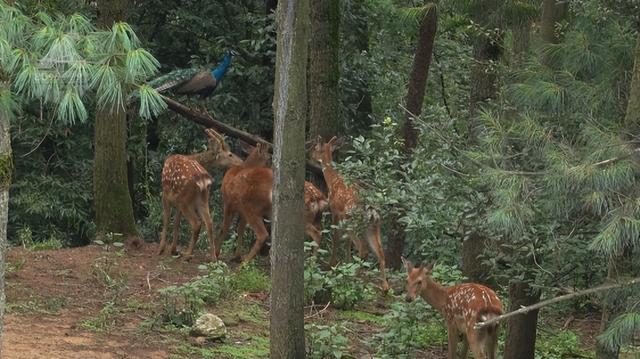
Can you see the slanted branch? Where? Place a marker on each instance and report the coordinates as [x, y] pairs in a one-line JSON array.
[[525, 310], [208, 121]]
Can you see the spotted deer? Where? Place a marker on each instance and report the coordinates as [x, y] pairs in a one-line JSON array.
[[462, 306], [344, 202], [247, 193], [185, 186]]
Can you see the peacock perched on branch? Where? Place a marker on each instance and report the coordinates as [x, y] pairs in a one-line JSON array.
[[194, 81]]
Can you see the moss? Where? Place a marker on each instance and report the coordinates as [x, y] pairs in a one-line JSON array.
[[6, 170]]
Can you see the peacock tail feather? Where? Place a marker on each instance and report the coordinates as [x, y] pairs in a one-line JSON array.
[[173, 79]]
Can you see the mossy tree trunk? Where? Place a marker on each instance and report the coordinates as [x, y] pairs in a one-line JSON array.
[[287, 252], [323, 70], [113, 204], [414, 101], [6, 174]]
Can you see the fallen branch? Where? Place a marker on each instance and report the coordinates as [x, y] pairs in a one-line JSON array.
[[318, 312], [561, 298], [208, 121]]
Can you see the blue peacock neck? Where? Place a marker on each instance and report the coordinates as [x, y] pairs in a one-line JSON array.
[[218, 72]]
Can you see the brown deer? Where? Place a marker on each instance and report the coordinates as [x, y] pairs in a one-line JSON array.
[[462, 306], [344, 202], [185, 186], [247, 193]]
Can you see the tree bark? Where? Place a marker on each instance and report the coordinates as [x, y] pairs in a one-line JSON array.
[[548, 21], [324, 72], [520, 342], [6, 174], [484, 87], [287, 253], [414, 101], [113, 204]]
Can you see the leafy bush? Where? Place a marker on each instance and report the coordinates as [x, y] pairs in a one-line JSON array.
[[564, 344], [181, 305], [347, 289], [407, 326], [325, 341], [248, 278]]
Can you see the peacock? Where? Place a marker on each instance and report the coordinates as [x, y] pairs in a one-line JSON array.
[[194, 81]]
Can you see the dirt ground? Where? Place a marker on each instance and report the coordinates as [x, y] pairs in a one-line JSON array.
[[50, 293], [57, 298]]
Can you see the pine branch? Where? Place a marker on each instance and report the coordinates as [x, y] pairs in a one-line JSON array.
[[561, 298], [208, 121]]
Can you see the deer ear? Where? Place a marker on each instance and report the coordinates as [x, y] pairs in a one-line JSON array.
[[245, 147], [429, 267], [407, 264]]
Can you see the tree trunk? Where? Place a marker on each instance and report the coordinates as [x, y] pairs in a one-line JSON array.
[[483, 88], [414, 101], [520, 342], [621, 263], [550, 16], [113, 204], [6, 174], [287, 252], [324, 72]]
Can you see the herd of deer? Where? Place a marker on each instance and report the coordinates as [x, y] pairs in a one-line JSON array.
[[247, 194]]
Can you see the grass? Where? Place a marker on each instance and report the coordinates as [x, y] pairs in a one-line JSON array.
[[37, 305], [244, 346], [362, 316], [105, 320]]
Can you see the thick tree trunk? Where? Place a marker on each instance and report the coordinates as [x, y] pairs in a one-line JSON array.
[[621, 264], [548, 21], [6, 174], [414, 101], [287, 252], [113, 204], [520, 342], [324, 72], [483, 88]]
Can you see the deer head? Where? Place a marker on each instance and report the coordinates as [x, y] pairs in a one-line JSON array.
[[257, 155], [323, 152], [418, 278], [223, 157]]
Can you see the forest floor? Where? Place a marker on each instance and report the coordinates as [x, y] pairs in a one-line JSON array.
[[100, 302]]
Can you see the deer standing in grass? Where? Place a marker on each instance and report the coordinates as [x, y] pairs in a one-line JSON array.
[[247, 193], [344, 201], [462, 306], [185, 186]]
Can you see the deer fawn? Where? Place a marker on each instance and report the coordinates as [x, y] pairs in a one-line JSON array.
[[344, 202], [247, 192], [185, 186], [462, 306]]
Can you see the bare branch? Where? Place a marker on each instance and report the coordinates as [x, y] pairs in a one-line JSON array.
[[561, 298]]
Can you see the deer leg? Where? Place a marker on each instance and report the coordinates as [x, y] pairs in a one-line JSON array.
[[315, 234], [176, 232], [196, 224], [375, 242], [226, 223], [452, 333], [336, 239], [166, 213], [492, 343], [256, 223], [242, 225], [465, 348], [208, 222], [477, 339]]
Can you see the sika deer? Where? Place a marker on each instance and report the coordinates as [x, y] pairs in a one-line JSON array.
[[462, 306], [185, 186], [247, 192], [344, 203]]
